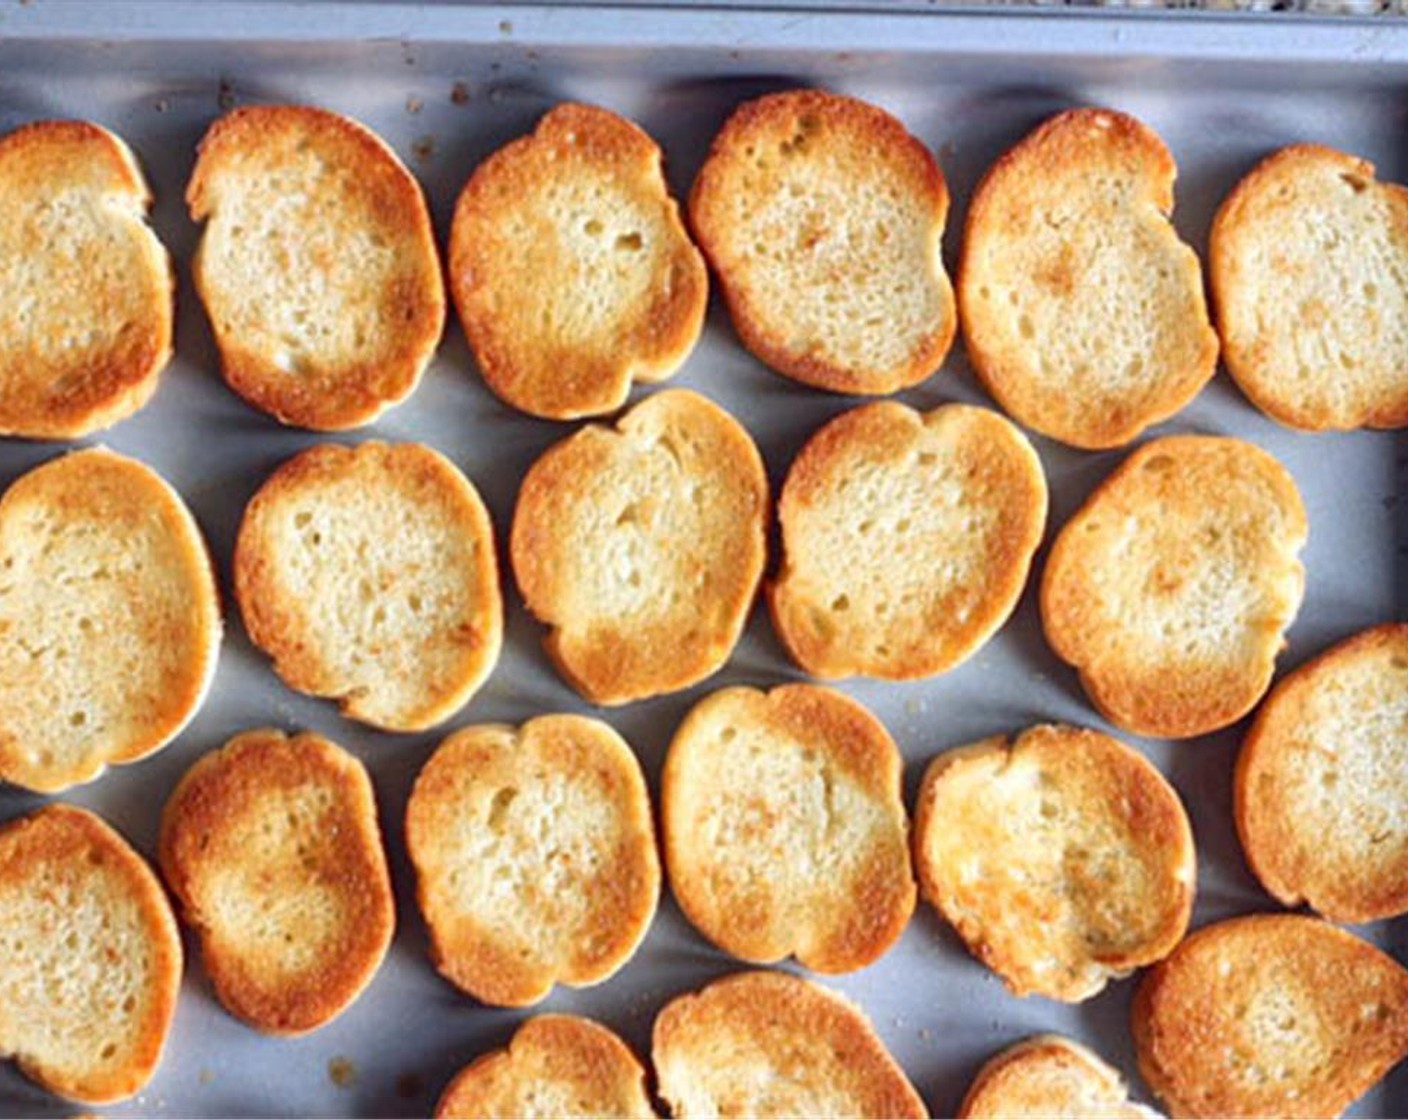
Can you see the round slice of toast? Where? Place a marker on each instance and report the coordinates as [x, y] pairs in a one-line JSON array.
[[1048, 1077], [317, 268], [369, 575], [85, 320], [823, 219], [1171, 589], [766, 1044], [1270, 1015], [571, 268], [109, 619], [907, 538], [1083, 311], [1321, 801], [558, 1067], [1308, 262], [1062, 858], [90, 956], [535, 857], [272, 847], [785, 828], [641, 546]]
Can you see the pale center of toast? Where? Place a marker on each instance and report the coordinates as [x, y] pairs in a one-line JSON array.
[[76, 966], [77, 276], [842, 260], [300, 264], [267, 890]]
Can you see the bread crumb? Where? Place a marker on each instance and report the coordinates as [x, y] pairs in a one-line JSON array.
[[342, 1072]]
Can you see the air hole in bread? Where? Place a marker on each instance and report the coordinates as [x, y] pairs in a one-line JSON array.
[[592, 228], [841, 603], [902, 525], [78, 719], [629, 242], [1158, 464], [927, 458], [1025, 328], [498, 806], [109, 1050], [302, 519], [415, 602], [1356, 183]]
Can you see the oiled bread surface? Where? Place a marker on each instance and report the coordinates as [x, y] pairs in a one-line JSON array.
[[272, 847], [556, 1067], [766, 1044], [571, 267], [90, 957], [369, 575], [785, 829], [1321, 806], [535, 856], [823, 217], [317, 268], [1305, 1017], [85, 319], [1171, 588], [1062, 857], [109, 618], [1083, 311], [907, 538], [641, 546], [1047, 1077], [1308, 261]]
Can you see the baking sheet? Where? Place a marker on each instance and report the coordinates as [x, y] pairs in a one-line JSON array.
[[446, 86]]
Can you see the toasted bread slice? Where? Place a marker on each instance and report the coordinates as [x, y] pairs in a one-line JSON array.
[[1270, 1015], [1172, 587], [109, 619], [1321, 806], [571, 268], [641, 546], [823, 218], [369, 575], [85, 322], [318, 266], [273, 849], [558, 1067], [90, 957], [761, 791], [1082, 310], [1062, 857], [535, 857], [907, 538], [1048, 1077], [766, 1044], [1308, 261]]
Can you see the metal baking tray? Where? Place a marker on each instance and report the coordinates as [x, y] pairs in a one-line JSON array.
[[446, 85]]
